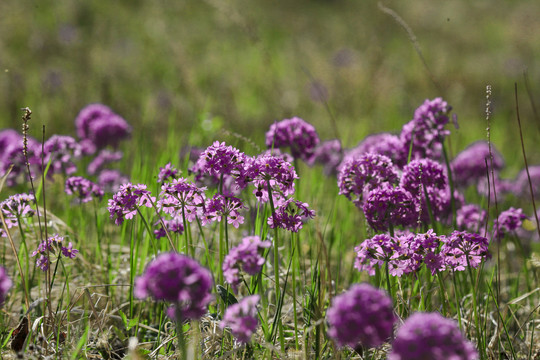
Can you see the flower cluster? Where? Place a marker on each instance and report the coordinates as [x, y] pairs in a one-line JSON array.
[[508, 221], [60, 151], [386, 144], [360, 175], [219, 160], [15, 208], [291, 215], [388, 206], [99, 126], [469, 166], [471, 217], [53, 246], [242, 319], [363, 316], [272, 170], [182, 198], [174, 225], [426, 336], [405, 253], [177, 279], [103, 158], [426, 130], [83, 188], [111, 180], [5, 284], [127, 200], [167, 173], [221, 206], [329, 154], [296, 134], [246, 258], [11, 154]]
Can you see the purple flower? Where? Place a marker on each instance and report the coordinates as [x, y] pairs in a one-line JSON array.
[[178, 279], [69, 251], [508, 221], [220, 206], [111, 180], [521, 184], [53, 246], [9, 139], [329, 154], [363, 315], [426, 129], [182, 198], [291, 215], [386, 144], [219, 159], [295, 134], [388, 206], [471, 217], [14, 208], [358, 176], [167, 172], [269, 169], [462, 249], [469, 166], [60, 151], [14, 155], [376, 252], [83, 188], [242, 319], [427, 177], [127, 200], [173, 225], [427, 336], [246, 257], [99, 124], [102, 159], [5, 284]]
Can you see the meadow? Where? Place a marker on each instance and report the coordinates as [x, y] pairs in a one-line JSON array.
[[315, 180]]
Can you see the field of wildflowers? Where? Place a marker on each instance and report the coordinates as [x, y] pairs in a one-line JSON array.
[[226, 212]]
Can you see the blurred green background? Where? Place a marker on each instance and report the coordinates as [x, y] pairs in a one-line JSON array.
[[194, 67]]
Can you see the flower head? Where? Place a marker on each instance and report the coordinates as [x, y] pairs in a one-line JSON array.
[[296, 134], [83, 188], [508, 221], [5, 284], [388, 206], [246, 257], [167, 172], [99, 124], [242, 319], [60, 151], [178, 279], [363, 315], [102, 159], [291, 215], [469, 166], [125, 202], [426, 336]]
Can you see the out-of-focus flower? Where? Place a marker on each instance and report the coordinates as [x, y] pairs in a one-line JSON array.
[[296, 134], [83, 188], [242, 319]]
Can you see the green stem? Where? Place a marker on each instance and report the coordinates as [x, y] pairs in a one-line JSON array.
[[180, 333]]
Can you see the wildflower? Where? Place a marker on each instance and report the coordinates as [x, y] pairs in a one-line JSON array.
[[242, 319], [15, 208], [329, 154], [99, 124], [173, 225], [521, 184], [296, 134], [182, 198], [290, 215], [426, 336], [83, 188], [246, 258], [53, 247], [167, 172], [60, 151], [358, 176], [219, 159], [223, 206], [508, 221], [471, 217], [363, 316], [426, 130], [386, 144], [178, 279], [469, 166], [387, 207], [272, 170], [462, 249], [5, 284], [102, 159], [376, 252], [111, 180], [13, 155], [127, 200]]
